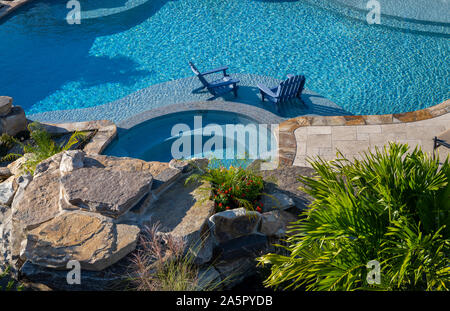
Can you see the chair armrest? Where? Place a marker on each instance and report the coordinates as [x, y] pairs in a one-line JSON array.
[[224, 69], [266, 90], [224, 83], [439, 142]]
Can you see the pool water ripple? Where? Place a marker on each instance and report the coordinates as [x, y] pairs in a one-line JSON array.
[[48, 65]]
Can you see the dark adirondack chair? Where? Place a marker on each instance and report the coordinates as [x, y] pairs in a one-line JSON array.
[[290, 88], [218, 87], [442, 140]]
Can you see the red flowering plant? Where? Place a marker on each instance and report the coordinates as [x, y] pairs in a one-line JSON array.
[[233, 187]]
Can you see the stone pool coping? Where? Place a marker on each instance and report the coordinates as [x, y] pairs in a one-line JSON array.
[[288, 142], [105, 132], [259, 115]]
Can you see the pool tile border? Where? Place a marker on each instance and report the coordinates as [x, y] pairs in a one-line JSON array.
[[288, 143]]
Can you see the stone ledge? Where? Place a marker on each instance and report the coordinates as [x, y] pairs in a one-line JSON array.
[[288, 127], [7, 7], [105, 132]]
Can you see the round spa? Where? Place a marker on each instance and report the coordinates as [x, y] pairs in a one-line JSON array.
[[224, 136]]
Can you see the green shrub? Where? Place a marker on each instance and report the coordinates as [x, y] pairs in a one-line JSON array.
[[393, 206], [40, 148], [232, 187]]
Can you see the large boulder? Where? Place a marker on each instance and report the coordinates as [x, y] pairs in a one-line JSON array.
[[183, 212], [275, 223], [5, 173], [235, 271], [276, 200], [37, 202], [124, 164], [234, 223], [5, 236], [94, 241], [111, 193], [5, 105], [7, 190], [17, 167], [70, 161], [14, 122], [251, 246], [209, 279]]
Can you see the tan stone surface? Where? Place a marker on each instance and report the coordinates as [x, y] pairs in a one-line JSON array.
[[38, 203], [353, 140], [415, 128], [344, 133], [188, 206], [108, 192], [92, 240], [318, 141], [125, 164]]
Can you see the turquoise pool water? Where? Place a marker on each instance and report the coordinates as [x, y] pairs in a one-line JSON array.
[[199, 134], [46, 64]]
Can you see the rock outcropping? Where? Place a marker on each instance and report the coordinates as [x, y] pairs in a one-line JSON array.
[[12, 118], [71, 210], [92, 209]]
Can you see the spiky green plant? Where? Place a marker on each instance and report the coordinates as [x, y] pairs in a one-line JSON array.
[[392, 206], [40, 148], [231, 187]]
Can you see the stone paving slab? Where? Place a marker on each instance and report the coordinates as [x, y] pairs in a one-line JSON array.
[[309, 136]]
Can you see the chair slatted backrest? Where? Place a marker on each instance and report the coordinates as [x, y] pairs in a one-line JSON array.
[[302, 84], [198, 74], [290, 87]]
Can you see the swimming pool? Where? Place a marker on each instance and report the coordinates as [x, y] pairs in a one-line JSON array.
[[196, 134], [46, 64]]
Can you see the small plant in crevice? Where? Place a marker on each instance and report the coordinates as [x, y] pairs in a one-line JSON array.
[[232, 187], [39, 148]]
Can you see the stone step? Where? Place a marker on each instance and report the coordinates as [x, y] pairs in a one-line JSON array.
[[164, 180]]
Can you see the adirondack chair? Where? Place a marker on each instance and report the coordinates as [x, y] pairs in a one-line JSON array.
[[218, 87], [442, 140], [290, 88]]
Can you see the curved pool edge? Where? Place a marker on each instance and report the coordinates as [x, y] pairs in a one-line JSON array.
[[11, 6], [288, 144], [390, 21], [290, 148], [184, 91], [254, 113]]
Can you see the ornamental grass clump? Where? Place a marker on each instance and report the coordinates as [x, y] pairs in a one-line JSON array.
[[232, 187], [160, 264], [393, 206]]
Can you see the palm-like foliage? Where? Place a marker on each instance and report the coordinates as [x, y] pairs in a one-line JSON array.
[[41, 147], [392, 206]]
